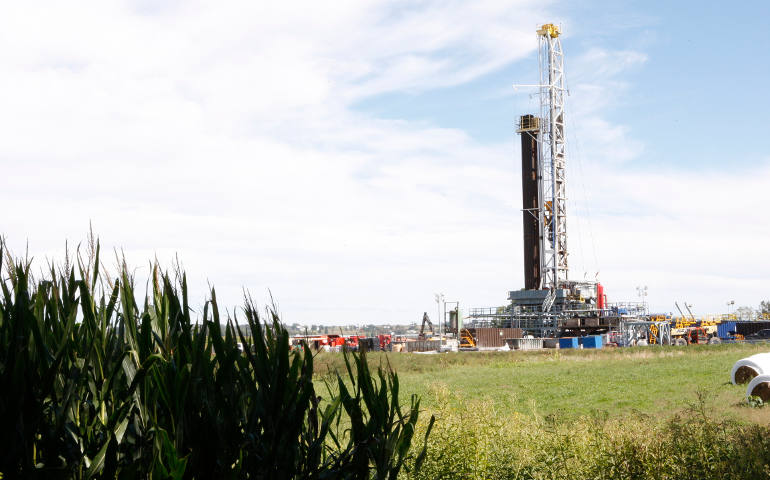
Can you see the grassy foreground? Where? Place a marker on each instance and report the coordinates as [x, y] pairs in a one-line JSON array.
[[623, 413], [571, 383]]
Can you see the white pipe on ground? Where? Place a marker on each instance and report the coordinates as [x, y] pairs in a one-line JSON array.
[[747, 368], [759, 386]]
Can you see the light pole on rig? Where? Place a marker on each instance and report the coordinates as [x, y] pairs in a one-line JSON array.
[[439, 298]]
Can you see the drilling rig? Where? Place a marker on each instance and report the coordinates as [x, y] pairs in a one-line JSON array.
[[550, 303], [543, 162]]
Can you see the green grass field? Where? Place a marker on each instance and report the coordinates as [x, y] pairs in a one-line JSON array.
[[571, 383], [645, 412]]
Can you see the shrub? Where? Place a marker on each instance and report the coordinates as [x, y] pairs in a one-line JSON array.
[[480, 442]]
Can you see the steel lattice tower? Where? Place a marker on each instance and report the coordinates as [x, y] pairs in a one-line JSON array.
[[553, 201]]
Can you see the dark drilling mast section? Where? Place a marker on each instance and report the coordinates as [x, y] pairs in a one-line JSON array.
[[529, 128]]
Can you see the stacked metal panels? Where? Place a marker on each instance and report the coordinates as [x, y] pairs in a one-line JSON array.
[[423, 346], [494, 337], [525, 343]]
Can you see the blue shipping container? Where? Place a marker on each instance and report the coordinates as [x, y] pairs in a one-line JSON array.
[[594, 341], [568, 342], [724, 329]]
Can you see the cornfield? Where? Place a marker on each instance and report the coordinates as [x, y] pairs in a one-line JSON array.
[[98, 382]]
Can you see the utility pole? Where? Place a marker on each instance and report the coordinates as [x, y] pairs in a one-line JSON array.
[[642, 292], [439, 298], [443, 319]]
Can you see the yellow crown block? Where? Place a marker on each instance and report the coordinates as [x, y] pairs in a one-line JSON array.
[[549, 29]]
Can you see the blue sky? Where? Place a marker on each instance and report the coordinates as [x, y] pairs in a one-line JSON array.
[[355, 158], [705, 78]]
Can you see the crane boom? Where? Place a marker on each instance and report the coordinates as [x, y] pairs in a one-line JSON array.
[[425, 320]]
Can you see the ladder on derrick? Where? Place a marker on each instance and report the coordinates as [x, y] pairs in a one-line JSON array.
[[549, 299]]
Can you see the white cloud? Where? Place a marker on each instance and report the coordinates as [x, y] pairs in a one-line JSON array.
[[683, 234], [222, 132], [682, 231]]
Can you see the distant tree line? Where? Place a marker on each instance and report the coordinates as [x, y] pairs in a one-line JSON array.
[[749, 313]]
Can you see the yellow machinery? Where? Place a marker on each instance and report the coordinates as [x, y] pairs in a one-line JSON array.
[[653, 337], [681, 324], [716, 319], [710, 326], [466, 339], [550, 30], [687, 329]]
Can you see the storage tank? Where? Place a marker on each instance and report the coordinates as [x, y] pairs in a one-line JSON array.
[[600, 301]]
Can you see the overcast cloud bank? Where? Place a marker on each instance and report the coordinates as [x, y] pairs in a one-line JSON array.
[[227, 135]]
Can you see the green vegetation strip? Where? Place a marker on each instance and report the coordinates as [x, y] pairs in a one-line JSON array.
[[99, 382]]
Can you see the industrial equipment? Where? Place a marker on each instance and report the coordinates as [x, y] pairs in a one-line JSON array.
[[637, 332], [425, 320], [686, 330], [386, 342], [550, 304], [552, 205], [543, 167], [466, 339]]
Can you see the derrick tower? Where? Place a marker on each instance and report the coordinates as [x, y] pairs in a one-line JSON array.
[[553, 200], [544, 142]]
